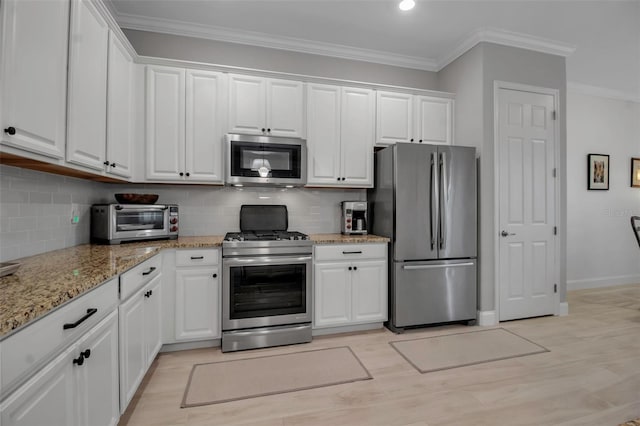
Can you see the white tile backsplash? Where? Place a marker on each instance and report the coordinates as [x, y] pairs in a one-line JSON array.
[[35, 208]]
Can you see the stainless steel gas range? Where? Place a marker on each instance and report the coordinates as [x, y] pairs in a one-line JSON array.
[[266, 290]]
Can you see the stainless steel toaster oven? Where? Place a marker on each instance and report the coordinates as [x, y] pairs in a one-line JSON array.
[[116, 223]]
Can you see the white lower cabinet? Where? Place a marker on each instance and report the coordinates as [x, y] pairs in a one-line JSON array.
[[139, 334], [350, 285], [79, 387], [197, 295]]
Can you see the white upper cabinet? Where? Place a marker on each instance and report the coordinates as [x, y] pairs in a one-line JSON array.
[[410, 118], [86, 127], [34, 75], [394, 119], [340, 136], [119, 108], [184, 125], [265, 106]]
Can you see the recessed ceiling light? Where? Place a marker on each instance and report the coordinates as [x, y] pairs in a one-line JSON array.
[[407, 5]]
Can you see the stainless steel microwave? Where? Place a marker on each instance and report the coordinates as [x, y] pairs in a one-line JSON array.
[[116, 223], [265, 160]]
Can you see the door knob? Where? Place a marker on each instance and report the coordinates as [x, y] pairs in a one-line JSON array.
[[507, 234]]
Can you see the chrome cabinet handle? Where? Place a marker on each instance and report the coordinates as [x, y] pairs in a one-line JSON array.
[[507, 234]]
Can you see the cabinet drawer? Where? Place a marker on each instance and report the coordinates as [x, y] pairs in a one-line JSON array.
[[139, 275], [350, 252], [27, 350], [195, 257]]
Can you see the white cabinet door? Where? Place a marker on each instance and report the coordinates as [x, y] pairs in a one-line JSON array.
[[48, 398], [394, 117], [205, 125], [152, 319], [357, 136], [87, 108], [332, 295], [247, 104], [97, 391], [285, 108], [323, 134], [119, 108], [434, 123], [369, 286], [197, 304], [133, 356], [34, 75], [165, 123]]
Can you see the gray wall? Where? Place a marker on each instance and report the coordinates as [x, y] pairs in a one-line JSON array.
[[472, 78], [240, 55]]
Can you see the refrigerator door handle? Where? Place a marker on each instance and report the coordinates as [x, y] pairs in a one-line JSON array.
[[447, 265], [443, 200], [432, 200]]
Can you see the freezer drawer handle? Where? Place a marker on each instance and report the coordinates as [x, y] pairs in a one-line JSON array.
[[352, 252], [449, 265]]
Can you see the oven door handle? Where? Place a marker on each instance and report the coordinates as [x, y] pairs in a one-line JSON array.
[[260, 260]]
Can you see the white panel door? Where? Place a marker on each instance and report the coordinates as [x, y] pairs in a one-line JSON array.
[[394, 118], [34, 75], [357, 136], [98, 382], [285, 108], [48, 398], [152, 319], [527, 204], [131, 334], [434, 120], [204, 126], [247, 104], [369, 281], [332, 295], [119, 108], [87, 119], [165, 123], [323, 134], [197, 304]]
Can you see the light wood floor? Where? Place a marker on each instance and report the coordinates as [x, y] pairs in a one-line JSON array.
[[591, 376]]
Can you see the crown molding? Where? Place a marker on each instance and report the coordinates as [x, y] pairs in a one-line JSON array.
[[602, 92], [506, 38], [252, 38]]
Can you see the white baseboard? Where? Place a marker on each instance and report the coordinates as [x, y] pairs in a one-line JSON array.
[[563, 309], [346, 329], [184, 346], [602, 282], [487, 318]]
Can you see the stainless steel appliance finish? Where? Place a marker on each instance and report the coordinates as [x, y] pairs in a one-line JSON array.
[[424, 200], [265, 160], [266, 289], [354, 217], [116, 223]]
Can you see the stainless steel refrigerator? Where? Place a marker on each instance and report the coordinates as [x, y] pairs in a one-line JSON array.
[[424, 200]]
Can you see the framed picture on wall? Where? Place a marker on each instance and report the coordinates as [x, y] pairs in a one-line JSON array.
[[598, 166], [635, 172]]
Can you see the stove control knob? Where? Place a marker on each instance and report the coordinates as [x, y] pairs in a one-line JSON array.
[[173, 220], [174, 228]]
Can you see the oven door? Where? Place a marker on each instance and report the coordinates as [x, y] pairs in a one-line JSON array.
[[265, 291]]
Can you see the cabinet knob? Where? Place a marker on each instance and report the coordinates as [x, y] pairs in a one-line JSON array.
[[181, 174], [420, 140], [113, 164], [106, 163], [343, 178], [147, 294], [411, 140], [350, 268], [188, 174], [10, 130], [355, 268], [263, 130], [338, 178], [79, 360], [86, 353], [215, 275], [268, 130]]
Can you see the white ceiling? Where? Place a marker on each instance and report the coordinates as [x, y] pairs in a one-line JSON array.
[[604, 33]]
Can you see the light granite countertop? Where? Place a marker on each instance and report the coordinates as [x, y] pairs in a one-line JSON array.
[[47, 281]]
